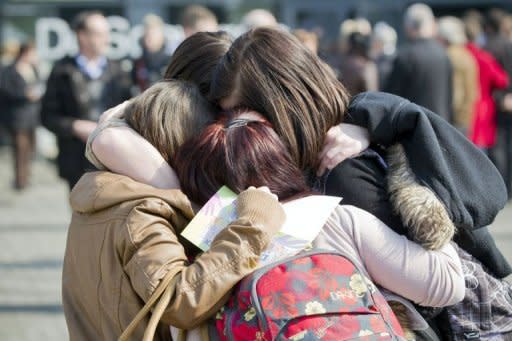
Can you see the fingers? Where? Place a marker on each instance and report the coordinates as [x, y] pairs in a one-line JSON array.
[[264, 189], [116, 111], [334, 156], [341, 142]]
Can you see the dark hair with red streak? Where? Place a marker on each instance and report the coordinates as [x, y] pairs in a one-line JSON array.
[[238, 153]]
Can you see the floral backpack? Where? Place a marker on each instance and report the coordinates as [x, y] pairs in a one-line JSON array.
[[317, 295]]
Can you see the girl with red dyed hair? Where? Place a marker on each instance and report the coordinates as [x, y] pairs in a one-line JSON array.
[[246, 151]]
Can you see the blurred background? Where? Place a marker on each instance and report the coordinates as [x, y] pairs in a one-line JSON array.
[[358, 38]]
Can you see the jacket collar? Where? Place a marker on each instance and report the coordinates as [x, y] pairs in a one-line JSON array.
[[97, 191]]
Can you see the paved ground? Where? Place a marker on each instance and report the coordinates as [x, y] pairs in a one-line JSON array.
[[33, 231]]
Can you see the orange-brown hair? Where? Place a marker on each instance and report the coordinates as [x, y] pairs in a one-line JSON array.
[[238, 153]]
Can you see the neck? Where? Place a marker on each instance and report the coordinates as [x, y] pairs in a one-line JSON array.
[[91, 57]]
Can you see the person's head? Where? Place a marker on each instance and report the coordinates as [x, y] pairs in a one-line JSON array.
[[258, 18], [153, 38], [349, 26], [383, 39], [272, 72], [308, 38], [27, 53], [167, 114], [419, 22], [494, 21], [197, 18], [359, 45], [196, 58], [93, 33], [238, 153], [506, 27], [472, 27], [451, 31]]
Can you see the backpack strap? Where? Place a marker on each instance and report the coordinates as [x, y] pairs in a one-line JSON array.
[[161, 297]]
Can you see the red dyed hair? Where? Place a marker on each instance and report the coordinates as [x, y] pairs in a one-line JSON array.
[[238, 153]]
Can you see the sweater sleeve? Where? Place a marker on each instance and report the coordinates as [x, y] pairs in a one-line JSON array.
[[429, 278], [203, 286]]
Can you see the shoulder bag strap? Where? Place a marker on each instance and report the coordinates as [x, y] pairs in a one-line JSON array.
[[162, 294]]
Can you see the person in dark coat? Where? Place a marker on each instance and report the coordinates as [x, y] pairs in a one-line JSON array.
[[21, 92], [78, 90], [357, 71], [384, 51], [150, 67], [422, 71], [501, 48]]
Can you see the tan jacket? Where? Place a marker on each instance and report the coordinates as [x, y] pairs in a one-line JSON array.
[[465, 85], [122, 240]]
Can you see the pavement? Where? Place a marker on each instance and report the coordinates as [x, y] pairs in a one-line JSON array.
[[33, 227]]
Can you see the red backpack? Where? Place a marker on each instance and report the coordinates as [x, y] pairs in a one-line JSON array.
[[319, 295]]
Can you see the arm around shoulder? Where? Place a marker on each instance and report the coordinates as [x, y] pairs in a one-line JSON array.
[[201, 287], [429, 278], [122, 150]]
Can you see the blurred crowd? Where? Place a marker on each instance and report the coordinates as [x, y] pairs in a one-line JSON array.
[[458, 67]]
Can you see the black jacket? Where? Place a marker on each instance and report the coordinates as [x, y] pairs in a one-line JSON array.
[[422, 73], [438, 158], [501, 48], [67, 99], [19, 112]]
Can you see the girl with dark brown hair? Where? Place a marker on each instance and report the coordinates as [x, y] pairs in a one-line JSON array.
[[195, 61], [427, 188]]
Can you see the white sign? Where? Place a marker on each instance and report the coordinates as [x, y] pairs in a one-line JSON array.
[[55, 39]]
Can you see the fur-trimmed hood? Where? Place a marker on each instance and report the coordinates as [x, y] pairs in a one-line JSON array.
[[442, 159], [436, 176], [420, 210], [428, 222]]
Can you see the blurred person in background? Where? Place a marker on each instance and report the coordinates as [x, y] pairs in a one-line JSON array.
[[491, 77], [10, 50], [501, 48], [79, 89], [357, 71], [150, 67], [308, 38], [259, 18], [465, 72], [422, 71], [383, 50], [476, 16], [506, 27], [196, 18], [337, 56], [349, 26], [22, 90]]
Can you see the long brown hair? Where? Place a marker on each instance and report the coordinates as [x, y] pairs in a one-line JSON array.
[[196, 58], [238, 153], [167, 114], [270, 71]]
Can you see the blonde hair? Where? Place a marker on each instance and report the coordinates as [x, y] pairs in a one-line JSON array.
[[167, 114], [451, 29]]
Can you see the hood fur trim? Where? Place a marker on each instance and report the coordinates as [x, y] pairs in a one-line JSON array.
[[402, 315], [424, 215]]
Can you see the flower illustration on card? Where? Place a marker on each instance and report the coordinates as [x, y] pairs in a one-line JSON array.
[[249, 315], [314, 307], [298, 336]]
